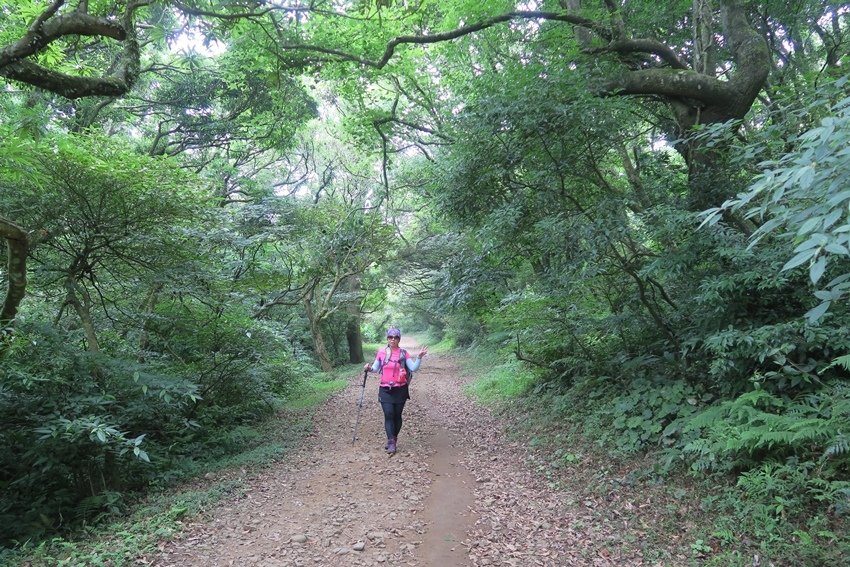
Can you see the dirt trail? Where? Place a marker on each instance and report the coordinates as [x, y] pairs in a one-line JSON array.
[[457, 493]]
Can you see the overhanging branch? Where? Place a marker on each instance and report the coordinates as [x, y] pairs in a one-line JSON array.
[[650, 46], [49, 27], [675, 83], [340, 55]]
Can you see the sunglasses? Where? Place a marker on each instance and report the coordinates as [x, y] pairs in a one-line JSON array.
[[391, 338]]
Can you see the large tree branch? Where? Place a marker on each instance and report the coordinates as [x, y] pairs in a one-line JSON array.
[[676, 83], [284, 298], [340, 55], [671, 83], [244, 12], [49, 27], [650, 46], [69, 86], [412, 126], [695, 97]]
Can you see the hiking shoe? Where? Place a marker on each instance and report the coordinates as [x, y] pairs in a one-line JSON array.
[[391, 446]]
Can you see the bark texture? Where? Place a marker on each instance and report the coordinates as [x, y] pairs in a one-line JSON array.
[[50, 26], [319, 344], [696, 97], [17, 248]]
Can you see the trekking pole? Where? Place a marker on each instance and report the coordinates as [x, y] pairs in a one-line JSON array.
[[359, 406]]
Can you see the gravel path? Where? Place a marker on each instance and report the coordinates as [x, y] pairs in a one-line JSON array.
[[457, 493]]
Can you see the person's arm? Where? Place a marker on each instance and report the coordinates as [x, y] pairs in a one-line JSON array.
[[414, 364]]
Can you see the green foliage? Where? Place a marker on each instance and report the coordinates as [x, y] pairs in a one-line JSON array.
[[641, 324], [626, 421], [68, 439], [787, 357], [758, 425], [803, 193], [135, 388], [650, 407], [143, 524], [513, 209], [241, 365], [775, 490]]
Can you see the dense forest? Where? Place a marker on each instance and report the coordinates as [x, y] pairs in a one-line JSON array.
[[643, 208]]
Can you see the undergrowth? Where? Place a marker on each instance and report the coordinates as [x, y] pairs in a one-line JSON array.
[[197, 486], [680, 461]]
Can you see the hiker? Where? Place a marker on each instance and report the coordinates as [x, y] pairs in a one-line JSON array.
[[397, 370]]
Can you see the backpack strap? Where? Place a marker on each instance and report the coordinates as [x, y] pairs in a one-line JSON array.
[[387, 354], [402, 357]]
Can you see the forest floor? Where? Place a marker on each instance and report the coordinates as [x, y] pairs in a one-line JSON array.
[[459, 492]]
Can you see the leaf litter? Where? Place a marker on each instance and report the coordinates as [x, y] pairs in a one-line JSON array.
[[338, 503]]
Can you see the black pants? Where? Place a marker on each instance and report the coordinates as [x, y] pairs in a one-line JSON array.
[[392, 418]]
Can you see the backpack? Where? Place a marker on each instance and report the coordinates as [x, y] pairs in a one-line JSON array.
[[404, 371]]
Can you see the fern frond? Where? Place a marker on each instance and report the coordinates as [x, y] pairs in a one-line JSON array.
[[705, 418], [839, 446], [89, 507], [764, 438], [758, 398], [813, 429], [842, 361]]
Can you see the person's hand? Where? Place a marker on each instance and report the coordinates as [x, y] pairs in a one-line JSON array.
[[366, 367], [423, 352]]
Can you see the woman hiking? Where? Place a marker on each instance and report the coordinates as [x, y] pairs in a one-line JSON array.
[[396, 369]]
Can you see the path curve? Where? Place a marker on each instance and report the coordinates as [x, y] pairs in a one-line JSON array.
[[457, 493]]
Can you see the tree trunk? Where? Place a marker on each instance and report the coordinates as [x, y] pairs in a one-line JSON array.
[[17, 248], [353, 334], [701, 17], [752, 67], [697, 98], [355, 341], [319, 346], [83, 312], [147, 314], [584, 37]]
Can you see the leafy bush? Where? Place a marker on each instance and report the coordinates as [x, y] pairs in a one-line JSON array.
[[71, 446], [804, 192], [639, 416], [774, 491], [631, 419], [85, 429], [760, 426], [242, 366]]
